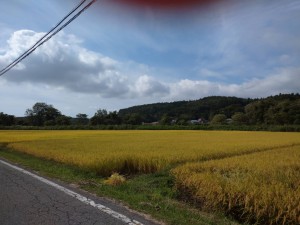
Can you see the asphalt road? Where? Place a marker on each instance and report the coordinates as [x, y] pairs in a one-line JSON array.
[[26, 200]]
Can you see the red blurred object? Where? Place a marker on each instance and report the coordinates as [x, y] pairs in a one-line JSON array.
[[165, 4]]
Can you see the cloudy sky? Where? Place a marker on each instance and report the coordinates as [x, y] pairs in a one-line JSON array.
[[115, 56]]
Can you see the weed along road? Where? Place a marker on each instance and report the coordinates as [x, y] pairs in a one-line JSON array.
[[28, 199]]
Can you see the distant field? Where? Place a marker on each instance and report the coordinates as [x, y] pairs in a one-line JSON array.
[[140, 151], [252, 175]]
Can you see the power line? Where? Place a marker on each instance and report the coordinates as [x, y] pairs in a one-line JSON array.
[[11, 65], [47, 36]]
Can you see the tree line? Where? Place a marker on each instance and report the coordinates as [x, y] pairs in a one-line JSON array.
[[282, 109]]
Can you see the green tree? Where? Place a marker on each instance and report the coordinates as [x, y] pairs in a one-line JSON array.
[[113, 118], [134, 119], [63, 120], [82, 119], [219, 119], [239, 118], [7, 120], [280, 109], [183, 119], [255, 111], [101, 113], [41, 113], [99, 117], [165, 119], [295, 111]]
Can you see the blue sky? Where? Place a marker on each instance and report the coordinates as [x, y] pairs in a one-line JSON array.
[[113, 57]]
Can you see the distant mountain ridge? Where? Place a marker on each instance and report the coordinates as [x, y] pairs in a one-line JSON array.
[[287, 105], [194, 109]]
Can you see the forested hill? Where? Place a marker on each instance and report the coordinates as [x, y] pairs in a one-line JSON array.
[[284, 108], [203, 108]]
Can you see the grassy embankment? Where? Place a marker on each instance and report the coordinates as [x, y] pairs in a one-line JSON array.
[[164, 165]]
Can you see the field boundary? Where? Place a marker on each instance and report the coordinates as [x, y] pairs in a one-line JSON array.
[[225, 156]]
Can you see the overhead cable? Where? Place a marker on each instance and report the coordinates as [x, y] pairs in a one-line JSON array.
[[57, 28]]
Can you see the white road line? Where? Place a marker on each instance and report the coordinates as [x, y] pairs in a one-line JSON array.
[[80, 197]]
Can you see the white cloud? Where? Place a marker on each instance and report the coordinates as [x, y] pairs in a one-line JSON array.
[[75, 79], [189, 89], [285, 80], [63, 62], [147, 86]]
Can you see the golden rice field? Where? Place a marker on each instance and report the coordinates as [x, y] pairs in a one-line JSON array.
[[262, 187], [140, 151], [252, 175]]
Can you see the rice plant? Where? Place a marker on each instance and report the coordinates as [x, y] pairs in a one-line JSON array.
[[129, 152], [262, 188]]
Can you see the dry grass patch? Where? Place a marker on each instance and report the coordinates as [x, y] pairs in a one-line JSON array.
[[115, 179]]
